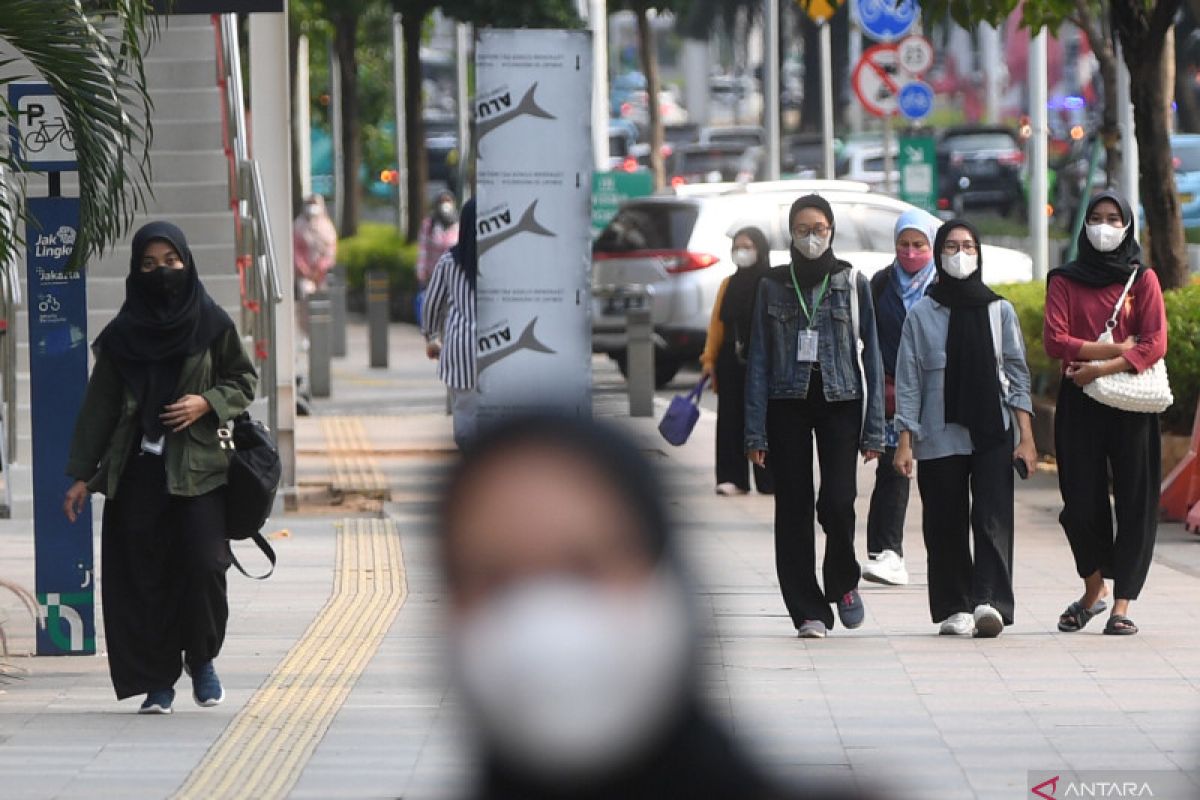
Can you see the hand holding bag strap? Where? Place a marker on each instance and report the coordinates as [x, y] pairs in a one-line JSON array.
[[697, 390]]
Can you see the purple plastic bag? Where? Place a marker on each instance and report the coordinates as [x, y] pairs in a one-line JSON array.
[[682, 414]]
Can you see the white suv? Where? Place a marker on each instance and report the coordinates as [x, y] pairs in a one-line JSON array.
[[674, 249]]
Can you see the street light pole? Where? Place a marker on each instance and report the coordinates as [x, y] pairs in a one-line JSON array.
[[771, 87], [827, 99], [1039, 227], [462, 51], [598, 22], [1129, 151], [401, 122]]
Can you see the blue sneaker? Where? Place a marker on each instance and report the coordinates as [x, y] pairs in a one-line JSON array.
[[158, 702], [851, 610], [206, 686]]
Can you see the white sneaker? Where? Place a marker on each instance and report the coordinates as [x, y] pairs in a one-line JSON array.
[[729, 490], [988, 623], [960, 624], [886, 568]]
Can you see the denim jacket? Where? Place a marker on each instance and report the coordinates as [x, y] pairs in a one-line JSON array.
[[772, 372]]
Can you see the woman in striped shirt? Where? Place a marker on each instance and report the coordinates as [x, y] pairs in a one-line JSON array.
[[448, 323]]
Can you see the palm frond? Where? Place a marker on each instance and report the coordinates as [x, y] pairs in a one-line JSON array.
[[92, 57]]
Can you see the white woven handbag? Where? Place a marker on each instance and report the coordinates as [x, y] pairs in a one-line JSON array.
[[1147, 392]]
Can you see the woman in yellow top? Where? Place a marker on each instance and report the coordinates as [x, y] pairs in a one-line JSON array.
[[724, 361]]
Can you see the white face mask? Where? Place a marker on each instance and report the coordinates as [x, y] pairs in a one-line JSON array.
[[961, 265], [1105, 237], [745, 257], [811, 246], [569, 678], [446, 210], [312, 209]]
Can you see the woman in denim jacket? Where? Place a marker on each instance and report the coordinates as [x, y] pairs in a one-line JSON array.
[[946, 370], [811, 373]]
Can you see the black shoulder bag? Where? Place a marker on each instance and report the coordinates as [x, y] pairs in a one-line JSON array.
[[253, 478]]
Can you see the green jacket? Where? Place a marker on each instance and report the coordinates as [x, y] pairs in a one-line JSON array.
[[109, 426]]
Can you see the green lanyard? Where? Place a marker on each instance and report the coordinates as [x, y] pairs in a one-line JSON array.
[[800, 296]]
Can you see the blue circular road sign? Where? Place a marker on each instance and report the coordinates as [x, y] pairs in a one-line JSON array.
[[915, 100], [886, 20]]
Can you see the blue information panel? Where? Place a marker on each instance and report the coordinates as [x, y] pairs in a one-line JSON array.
[[58, 347], [915, 100], [886, 20]]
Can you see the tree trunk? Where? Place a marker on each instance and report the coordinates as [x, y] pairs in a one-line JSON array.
[[1145, 56], [345, 38], [414, 123], [650, 67], [293, 49], [1098, 29]]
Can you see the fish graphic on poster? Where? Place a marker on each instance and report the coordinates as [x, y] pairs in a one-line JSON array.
[[498, 111], [526, 341], [501, 220]]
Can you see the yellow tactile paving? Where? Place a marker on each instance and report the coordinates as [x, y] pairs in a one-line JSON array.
[[355, 467], [262, 753]]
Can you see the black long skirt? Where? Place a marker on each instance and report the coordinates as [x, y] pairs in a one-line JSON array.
[[162, 580]]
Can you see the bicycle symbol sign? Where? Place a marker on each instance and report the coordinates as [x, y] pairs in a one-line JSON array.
[[886, 20], [48, 303], [42, 136]]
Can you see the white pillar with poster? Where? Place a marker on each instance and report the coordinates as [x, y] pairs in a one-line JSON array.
[[533, 151]]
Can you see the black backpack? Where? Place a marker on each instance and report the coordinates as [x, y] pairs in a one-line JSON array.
[[253, 478]]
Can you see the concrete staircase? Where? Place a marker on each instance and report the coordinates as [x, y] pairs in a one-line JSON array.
[[190, 188]]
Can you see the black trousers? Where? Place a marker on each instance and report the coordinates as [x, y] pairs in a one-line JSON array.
[[889, 504], [732, 464], [961, 496], [1092, 441], [791, 425], [163, 562]]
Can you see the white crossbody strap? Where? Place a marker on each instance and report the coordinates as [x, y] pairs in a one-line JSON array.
[[1112, 321]]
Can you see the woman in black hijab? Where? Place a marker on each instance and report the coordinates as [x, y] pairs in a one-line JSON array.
[[960, 378], [170, 368], [815, 373], [1094, 440], [724, 360], [572, 631]]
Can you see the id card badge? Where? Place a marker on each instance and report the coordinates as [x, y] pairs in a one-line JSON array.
[[806, 345]]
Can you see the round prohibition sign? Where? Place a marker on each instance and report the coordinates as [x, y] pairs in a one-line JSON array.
[[875, 80], [915, 53]]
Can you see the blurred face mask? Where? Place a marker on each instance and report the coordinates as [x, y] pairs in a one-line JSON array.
[[446, 209], [961, 265], [570, 678], [312, 209], [745, 257], [811, 246], [1105, 237], [911, 260]]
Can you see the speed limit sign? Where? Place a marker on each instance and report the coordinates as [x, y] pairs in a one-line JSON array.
[[914, 54]]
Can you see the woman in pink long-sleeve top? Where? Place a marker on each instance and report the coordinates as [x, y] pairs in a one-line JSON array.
[[1091, 438]]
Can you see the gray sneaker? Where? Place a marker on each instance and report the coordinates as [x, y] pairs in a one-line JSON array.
[[158, 702], [851, 610], [812, 629]]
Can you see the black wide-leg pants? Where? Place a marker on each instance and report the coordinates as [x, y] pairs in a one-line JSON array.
[[162, 581], [791, 425], [965, 499], [889, 505], [732, 464], [1091, 442]]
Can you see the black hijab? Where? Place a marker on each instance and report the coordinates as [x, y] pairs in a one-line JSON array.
[[160, 324], [464, 251], [1093, 268], [811, 271], [737, 309], [971, 370]]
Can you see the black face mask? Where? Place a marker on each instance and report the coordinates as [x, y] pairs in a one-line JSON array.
[[163, 282]]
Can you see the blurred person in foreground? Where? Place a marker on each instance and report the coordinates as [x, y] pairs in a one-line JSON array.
[[571, 632], [439, 232], [448, 324], [724, 361], [314, 242], [896, 291]]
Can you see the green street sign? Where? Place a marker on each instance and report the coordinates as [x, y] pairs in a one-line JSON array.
[[918, 172], [610, 189]]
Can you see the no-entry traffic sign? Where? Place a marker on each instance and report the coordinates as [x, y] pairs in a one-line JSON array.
[[875, 80]]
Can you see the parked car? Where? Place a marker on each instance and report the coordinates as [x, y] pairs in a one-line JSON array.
[[744, 135], [980, 167], [675, 250], [865, 162], [804, 154], [1185, 147], [714, 163], [622, 141]]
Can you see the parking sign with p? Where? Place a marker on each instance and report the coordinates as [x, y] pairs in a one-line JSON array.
[[41, 137]]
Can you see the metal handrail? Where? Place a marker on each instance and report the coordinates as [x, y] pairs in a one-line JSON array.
[[258, 267], [10, 301]]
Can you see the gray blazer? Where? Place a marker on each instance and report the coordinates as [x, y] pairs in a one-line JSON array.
[[921, 376]]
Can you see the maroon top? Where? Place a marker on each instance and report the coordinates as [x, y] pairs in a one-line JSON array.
[[1076, 314]]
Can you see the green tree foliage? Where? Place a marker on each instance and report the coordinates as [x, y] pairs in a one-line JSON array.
[[1141, 27], [93, 60]]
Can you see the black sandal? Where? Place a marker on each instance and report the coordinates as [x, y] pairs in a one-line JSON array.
[[1120, 626], [1076, 616]]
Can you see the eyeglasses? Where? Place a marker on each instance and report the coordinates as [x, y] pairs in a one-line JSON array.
[[950, 248], [800, 231]]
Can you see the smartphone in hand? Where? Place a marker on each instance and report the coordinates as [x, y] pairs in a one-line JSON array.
[[1021, 467]]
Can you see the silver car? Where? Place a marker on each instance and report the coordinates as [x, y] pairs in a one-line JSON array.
[[672, 251]]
